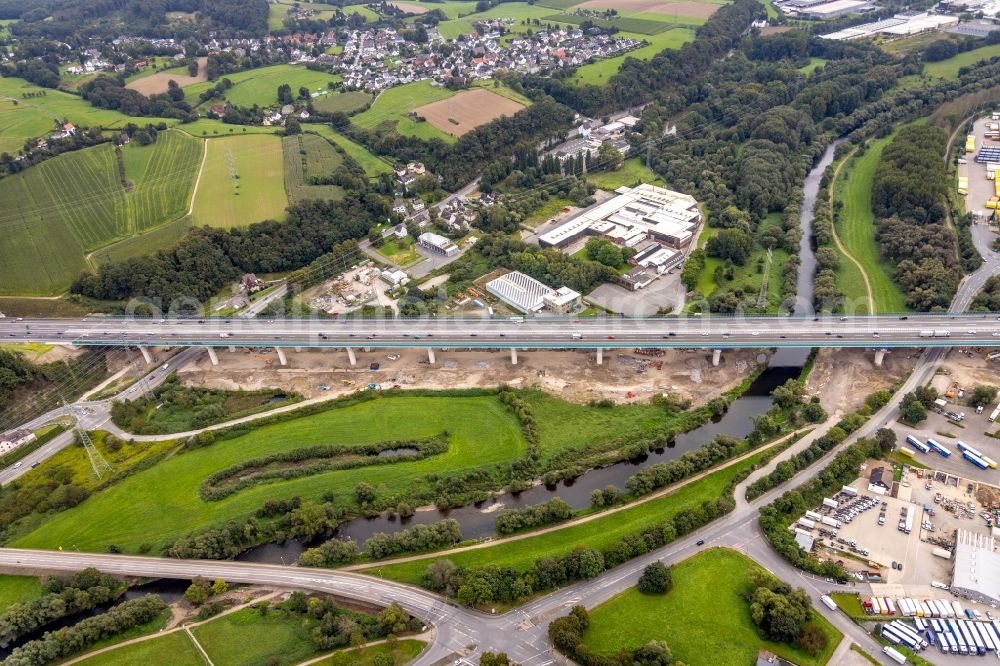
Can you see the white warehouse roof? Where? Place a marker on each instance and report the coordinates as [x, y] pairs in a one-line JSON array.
[[520, 291], [977, 567]]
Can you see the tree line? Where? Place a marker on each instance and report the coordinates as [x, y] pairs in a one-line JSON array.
[[544, 513], [207, 259], [63, 597]]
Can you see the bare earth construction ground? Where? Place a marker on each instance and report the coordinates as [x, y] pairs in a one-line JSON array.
[[687, 8], [467, 110], [157, 83]]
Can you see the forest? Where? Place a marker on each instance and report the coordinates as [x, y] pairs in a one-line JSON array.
[[910, 206]]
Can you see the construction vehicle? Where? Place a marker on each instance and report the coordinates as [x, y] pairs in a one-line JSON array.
[[374, 387], [348, 382]]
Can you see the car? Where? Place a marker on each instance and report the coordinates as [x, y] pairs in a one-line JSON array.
[[700, 542], [875, 334], [472, 335], [755, 333], [829, 333], [843, 319], [17, 464], [904, 318], [611, 337]]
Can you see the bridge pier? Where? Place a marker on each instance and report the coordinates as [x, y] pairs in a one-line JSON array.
[[281, 356], [212, 356], [146, 355], [232, 349], [367, 349], [513, 356], [716, 356], [430, 356], [879, 357], [298, 350], [350, 356], [600, 355]]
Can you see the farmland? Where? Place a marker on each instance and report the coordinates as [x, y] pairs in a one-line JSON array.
[[632, 619], [346, 102], [307, 156], [27, 111], [856, 230], [467, 110], [372, 165], [598, 73], [948, 69], [159, 81], [57, 211], [250, 164], [393, 106], [260, 86]]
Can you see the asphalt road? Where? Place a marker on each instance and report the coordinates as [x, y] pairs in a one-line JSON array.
[[914, 330]]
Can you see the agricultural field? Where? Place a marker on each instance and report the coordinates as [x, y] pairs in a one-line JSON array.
[[162, 237], [372, 164], [260, 86], [519, 11], [28, 111], [346, 102], [467, 110], [598, 72], [64, 207], [277, 11], [599, 533], [856, 230], [158, 82], [306, 156], [369, 15], [394, 105], [242, 182], [632, 618]]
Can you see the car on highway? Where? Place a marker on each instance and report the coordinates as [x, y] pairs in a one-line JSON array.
[[700, 542], [875, 334], [611, 337]]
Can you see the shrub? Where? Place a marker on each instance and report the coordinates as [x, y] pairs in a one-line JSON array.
[[657, 578]]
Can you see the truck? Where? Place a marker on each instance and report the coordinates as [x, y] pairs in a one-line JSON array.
[[942, 334], [908, 523], [808, 524], [939, 585], [917, 444], [989, 461], [847, 490], [957, 607], [942, 552], [975, 460], [828, 602], [927, 334], [962, 446], [906, 452], [883, 608], [938, 448], [832, 503], [831, 522], [995, 414], [892, 607], [812, 515]]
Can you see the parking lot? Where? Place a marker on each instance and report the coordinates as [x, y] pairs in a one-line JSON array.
[[974, 433]]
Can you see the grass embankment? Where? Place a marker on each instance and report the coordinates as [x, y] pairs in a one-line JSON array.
[[242, 182], [157, 505], [707, 586], [247, 637], [598, 533], [856, 229], [175, 649], [632, 172], [18, 589], [404, 652]]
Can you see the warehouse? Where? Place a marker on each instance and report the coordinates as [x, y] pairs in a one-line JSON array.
[[436, 243], [526, 294], [637, 214], [976, 575]]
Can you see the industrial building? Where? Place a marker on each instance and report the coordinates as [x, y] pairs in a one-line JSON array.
[[437, 243], [637, 215], [900, 25], [526, 294], [976, 573]]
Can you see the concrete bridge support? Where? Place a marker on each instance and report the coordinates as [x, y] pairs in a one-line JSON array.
[[281, 356], [298, 350], [146, 355], [513, 356], [430, 356], [716, 356], [879, 357], [212, 356], [600, 355], [350, 356], [232, 349]]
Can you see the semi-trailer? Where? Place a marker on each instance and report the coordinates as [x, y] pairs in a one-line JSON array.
[[970, 644], [919, 624], [848, 490], [963, 646], [902, 607], [890, 605], [831, 522], [987, 635], [832, 503], [995, 414], [917, 444], [989, 461], [808, 524], [957, 607], [975, 460], [974, 638], [883, 608], [942, 552], [828, 602], [948, 609], [905, 630], [926, 609], [812, 515], [906, 452], [894, 637]]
